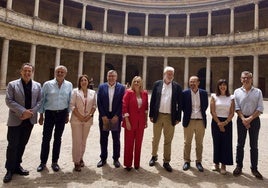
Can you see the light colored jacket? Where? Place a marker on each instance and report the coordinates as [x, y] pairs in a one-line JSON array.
[[78, 101], [15, 100]]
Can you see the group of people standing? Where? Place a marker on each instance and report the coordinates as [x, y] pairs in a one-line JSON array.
[[129, 108]]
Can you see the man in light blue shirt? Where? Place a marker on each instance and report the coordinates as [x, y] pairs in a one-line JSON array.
[[56, 95], [248, 106]]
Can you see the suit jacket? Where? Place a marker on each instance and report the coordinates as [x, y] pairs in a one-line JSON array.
[[78, 101], [175, 101], [187, 106], [137, 116], [15, 100], [103, 101]]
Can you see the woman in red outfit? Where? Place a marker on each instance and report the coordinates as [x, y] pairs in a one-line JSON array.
[[135, 107]]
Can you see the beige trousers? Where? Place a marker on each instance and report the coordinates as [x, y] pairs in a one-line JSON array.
[[163, 123], [195, 127], [80, 133]]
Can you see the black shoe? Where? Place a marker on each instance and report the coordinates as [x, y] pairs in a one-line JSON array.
[[21, 171], [128, 168], [55, 167], [237, 171], [8, 177], [167, 167], [186, 166], [199, 167], [41, 167], [152, 161], [101, 163], [257, 174], [116, 164]]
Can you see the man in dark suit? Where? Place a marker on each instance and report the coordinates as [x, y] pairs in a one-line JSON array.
[[165, 113], [23, 98], [194, 106], [109, 100]]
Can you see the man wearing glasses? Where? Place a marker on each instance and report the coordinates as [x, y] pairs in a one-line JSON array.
[[248, 106]]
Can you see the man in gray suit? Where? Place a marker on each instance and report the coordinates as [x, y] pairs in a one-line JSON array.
[[23, 98]]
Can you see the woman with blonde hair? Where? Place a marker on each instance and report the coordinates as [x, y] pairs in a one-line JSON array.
[[135, 112]]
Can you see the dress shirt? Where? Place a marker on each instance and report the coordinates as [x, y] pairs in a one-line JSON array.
[[196, 109], [55, 98], [165, 101], [248, 102], [111, 90]]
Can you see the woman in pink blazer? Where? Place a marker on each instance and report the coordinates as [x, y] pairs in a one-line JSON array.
[[83, 105], [135, 107]]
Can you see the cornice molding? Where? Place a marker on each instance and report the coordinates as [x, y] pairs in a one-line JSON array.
[[172, 8]]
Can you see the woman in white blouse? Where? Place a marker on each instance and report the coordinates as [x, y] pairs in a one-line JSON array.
[[222, 111], [83, 105]]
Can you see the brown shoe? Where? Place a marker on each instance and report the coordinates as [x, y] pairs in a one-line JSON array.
[[77, 167], [257, 174]]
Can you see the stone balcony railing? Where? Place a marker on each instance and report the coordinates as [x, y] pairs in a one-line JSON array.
[[20, 20]]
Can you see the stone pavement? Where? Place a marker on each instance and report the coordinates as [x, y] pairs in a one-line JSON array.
[[146, 176]]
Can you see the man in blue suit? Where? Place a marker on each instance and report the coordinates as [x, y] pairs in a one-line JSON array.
[[23, 98], [109, 100], [194, 106]]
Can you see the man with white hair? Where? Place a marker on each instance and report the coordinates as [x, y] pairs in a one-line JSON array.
[[56, 96], [165, 113]]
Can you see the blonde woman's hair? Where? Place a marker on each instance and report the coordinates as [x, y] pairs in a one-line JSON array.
[[141, 82]]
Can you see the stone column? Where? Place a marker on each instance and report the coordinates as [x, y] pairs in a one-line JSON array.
[[188, 25], [165, 62], [9, 4], [167, 26], [144, 72], [33, 56], [61, 12], [208, 72], [231, 74], [36, 8], [146, 25], [57, 59], [83, 16], [124, 62], [4, 64], [105, 20], [232, 21], [256, 71], [102, 68], [186, 72], [80, 64], [209, 23], [256, 17], [126, 23]]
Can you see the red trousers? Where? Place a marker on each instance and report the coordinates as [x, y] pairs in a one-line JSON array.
[[133, 142]]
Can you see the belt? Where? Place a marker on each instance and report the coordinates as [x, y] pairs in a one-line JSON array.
[[57, 111], [164, 113], [197, 119]]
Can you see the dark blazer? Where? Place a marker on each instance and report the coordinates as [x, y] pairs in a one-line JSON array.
[[176, 104], [187, 106], [15, 100], [103, 101]]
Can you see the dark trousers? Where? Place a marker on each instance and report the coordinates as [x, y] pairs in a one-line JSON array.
[[104, 143], [52, 119], [17, 138], [253, 141], [222, 143]]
